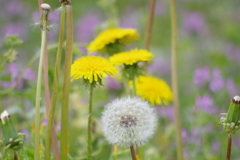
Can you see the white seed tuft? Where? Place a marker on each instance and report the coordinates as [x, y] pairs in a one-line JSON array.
[[4, 115], [128, 122], [45, 6], [236, 98]]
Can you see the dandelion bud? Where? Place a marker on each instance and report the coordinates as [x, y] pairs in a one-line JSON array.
[[128, 122], [231, 122], [11, 139]]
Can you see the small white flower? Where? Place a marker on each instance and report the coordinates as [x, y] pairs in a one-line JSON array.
[[128, 122]]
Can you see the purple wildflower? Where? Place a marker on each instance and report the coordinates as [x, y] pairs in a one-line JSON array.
[[205, 104], [159, 8], [112, 84], [165, 112], [215, 146], [130, 18], [201, 76], [231, 87], [232, 52], [194, 22], [159, 66], [217, 82], [86, 27]]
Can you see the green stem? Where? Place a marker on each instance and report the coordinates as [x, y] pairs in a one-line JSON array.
[[134, 85], [38, 96], [65, 99], [90, 124], [174, 77], [55, 86]]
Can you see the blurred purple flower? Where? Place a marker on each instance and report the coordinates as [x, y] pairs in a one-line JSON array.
[[86, 27], [58, 127], [217, 82], [201, 76], [185, 135], [165, 112], [24, 131], [215, 146], [159, 8], [159, 66], [29, 75], [231, 87], [205, 104], [232, 52], [130, 18], [12, 69], [194, 22], [112, 84], [19, 28], [44, 123], [15, 8]]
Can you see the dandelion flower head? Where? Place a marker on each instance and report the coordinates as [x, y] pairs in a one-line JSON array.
[[92, 68], [131, 57], [128, 122], [111, 36], [154, 90]]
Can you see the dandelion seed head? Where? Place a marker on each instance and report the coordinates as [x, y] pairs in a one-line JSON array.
[[128, 122]]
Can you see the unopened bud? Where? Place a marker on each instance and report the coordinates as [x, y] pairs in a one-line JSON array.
[[232, 121]]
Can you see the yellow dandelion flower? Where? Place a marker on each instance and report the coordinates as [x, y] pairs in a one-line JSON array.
[[92, 68], [131, 57], [123, 36], [153, 90]]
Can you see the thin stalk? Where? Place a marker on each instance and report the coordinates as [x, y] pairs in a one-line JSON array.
[[54, 141], [65, 99], [229, 147], [90, 124], [174, 76], [150, 21], [38, 95], [133, 153], [134, 85], [148, 31], [15, 156], [50, 129]]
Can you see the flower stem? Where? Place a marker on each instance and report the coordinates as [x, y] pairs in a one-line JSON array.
[[148, 30], [38, 95], [65, 99], [15, 156], [229, 147], [149, 27], [174, 77], [90, 124], [55, 87], [133, 153], [134, 85]]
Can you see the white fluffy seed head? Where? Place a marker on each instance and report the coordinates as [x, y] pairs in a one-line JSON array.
[[128, 122]]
